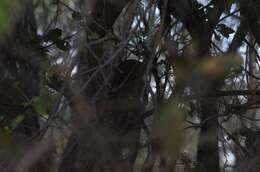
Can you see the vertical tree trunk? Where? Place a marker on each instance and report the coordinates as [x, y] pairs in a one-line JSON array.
[[208, 152]]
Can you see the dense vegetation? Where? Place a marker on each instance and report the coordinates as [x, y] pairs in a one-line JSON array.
[[129, 85]]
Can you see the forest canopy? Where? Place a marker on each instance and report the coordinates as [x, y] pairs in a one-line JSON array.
[[129, 85]]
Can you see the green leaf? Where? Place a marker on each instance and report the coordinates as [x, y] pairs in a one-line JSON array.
[[225, 30], [5, 8], [18, 120], [53, 35], [39, 105]]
